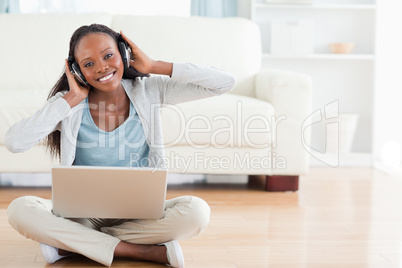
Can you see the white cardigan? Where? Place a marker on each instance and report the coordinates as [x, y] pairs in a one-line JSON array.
[[188, 82]]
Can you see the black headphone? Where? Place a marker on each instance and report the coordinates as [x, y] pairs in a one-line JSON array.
[[125, 52]]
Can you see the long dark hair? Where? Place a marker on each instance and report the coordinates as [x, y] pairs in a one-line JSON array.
[[52, 141]]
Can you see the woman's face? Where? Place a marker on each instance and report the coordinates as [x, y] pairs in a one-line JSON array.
[[100, 61]]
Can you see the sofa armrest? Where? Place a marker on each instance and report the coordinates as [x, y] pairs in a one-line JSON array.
[[289, 92], [291, 95]]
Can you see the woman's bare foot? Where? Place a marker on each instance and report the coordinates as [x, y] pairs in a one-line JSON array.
[[63, 252], [154, 253]]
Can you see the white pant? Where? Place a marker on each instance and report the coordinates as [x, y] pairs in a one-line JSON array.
[[31, 216]]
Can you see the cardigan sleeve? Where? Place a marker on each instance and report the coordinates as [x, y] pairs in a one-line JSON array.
[[30, 131], [191, 82]]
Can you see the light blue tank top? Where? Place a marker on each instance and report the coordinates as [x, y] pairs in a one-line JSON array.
[[125, 146]]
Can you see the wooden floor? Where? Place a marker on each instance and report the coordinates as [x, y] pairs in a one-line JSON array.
[[338, 218]]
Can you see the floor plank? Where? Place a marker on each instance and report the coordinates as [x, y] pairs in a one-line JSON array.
[[338, 218]]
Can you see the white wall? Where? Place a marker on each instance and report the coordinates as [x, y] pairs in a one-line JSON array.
[[138, 7], [348, 81], [387, 112], [243, 8]]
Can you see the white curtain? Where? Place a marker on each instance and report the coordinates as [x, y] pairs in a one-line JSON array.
[[137, 7], [214, 8], [9, 6]]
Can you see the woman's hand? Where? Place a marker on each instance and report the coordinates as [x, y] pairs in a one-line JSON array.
[[77, 92], [141, 62], [144, 64]]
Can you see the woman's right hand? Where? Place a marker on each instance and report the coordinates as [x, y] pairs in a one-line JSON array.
[[77, 92]]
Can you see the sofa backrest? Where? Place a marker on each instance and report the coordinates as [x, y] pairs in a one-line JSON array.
[[231, 44], [34, 46]]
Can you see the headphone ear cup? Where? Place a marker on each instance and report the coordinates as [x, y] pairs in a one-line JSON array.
[[76, 72], [125, 52]]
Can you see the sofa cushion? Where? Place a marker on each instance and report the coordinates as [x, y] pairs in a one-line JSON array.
[[217, 121], [36, 159], [225, 121]]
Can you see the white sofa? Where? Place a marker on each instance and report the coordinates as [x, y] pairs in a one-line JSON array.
[[230, 134]]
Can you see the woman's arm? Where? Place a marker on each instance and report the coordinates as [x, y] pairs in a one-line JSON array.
[[30, 131], [191, 82], [162, 67]]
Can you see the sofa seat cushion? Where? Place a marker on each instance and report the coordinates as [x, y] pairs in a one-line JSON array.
[[18, 104], [224, 121], [36, 159]]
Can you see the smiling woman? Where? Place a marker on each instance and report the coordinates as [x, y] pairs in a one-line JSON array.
[[137, 7], [103, 119]]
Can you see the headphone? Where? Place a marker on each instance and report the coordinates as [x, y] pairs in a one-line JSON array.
[[125, 52]]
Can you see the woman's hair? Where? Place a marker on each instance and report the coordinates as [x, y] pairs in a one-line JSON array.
[[52, 141]]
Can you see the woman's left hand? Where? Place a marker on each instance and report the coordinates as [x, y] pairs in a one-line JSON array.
[[141, 62]]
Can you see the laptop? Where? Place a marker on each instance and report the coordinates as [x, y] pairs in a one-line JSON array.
[[108, 192]]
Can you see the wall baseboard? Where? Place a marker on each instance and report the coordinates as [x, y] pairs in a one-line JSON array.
[[26, 179], [344, 160]]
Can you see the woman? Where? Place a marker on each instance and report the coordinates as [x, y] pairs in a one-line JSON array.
[[113, 103]]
